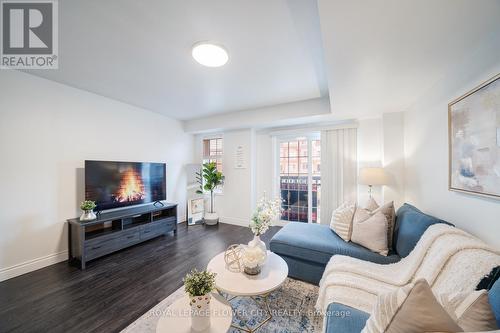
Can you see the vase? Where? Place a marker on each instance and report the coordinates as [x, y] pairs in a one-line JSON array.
[[200, 312], [88, 215], [252, 260], [252, 270], [257, 242]]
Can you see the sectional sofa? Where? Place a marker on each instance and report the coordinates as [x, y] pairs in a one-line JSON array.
[[307, 248]]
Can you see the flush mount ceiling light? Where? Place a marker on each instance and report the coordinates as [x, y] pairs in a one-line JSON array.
[[209, 54]]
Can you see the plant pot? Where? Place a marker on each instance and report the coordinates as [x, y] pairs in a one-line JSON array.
[[211, 218], [88, 215], [200, 312]]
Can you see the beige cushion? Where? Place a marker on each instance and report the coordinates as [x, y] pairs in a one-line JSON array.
[[371, 204], [389, 212], [472, 311], [341, 221], [411, 309], [370, 231]]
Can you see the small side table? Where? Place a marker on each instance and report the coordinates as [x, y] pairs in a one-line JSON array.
[[177, 319]]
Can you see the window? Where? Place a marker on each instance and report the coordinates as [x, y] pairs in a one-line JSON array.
[[300, 178], [212, 151]]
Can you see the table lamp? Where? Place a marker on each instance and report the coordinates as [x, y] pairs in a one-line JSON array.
[[372, 177]]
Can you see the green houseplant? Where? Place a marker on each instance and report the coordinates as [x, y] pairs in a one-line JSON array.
[[199, 285], [88, 207], [210, 178]]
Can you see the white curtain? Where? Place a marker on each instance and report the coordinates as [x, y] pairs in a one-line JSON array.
[[338, 170]]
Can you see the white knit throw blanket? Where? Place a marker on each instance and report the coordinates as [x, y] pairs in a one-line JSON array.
[[450, 259]]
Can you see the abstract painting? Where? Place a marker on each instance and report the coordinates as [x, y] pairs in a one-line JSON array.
[[474, 140]]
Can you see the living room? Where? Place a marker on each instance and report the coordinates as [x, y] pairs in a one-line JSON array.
[[290, 165]]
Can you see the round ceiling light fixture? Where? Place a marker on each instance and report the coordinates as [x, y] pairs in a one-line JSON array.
[[209, 54]]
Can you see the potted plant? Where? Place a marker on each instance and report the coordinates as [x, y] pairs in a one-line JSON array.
[[88, 210], [211, 179], [199, 285]]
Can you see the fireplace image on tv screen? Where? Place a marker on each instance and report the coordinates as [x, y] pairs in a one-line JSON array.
[[119, 184]]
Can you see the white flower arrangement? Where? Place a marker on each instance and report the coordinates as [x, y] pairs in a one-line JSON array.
[[267, 211], [253, 256]]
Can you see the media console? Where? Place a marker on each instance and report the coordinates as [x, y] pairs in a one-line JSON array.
[[113, 231]]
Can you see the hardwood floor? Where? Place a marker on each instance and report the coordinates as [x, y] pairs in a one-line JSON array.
[[115, 290]]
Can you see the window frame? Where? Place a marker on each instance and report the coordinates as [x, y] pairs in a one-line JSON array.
[[310, 136]]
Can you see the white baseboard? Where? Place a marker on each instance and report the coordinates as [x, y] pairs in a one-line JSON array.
[[235, 221], [32, 265]]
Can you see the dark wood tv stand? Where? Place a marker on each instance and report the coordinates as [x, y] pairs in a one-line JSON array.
[[117, 230]]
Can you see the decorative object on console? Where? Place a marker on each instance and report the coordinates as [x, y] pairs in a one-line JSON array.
[[212, 178], [372, 177], [199, 285], [233, 257], [88, 210], [474, 140]]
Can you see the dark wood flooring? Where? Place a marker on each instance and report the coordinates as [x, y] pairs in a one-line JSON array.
[[114, 290]]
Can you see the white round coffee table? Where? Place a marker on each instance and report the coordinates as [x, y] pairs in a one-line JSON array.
[[238, 284], [177, 318]]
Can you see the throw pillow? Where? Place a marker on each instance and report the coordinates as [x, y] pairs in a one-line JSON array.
[[371, 204], [472, 311], [341, 221], [411, 309], [370, 231], [390, 213]]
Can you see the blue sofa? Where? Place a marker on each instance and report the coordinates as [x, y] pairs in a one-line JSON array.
[[307, 247]]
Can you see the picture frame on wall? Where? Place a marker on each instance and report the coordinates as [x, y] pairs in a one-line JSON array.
[[474, 141]]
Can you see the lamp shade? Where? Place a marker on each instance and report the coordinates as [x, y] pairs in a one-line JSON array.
[[373, 176]]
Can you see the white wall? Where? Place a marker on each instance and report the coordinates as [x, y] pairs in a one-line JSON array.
[[370, 146], [381, 144], [393, 156], [47, 130], [426, 147]]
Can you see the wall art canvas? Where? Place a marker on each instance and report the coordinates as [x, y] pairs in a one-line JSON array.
[[474, 140]]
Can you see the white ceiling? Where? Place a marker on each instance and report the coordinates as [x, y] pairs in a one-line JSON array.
[[139, 52], [382, 55]]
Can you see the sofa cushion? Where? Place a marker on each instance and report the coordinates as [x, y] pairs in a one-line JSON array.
[[318, 243], [411, 224], [494, 298], [344, 319]]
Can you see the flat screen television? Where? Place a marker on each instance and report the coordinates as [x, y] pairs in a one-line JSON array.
[[119, 184]]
